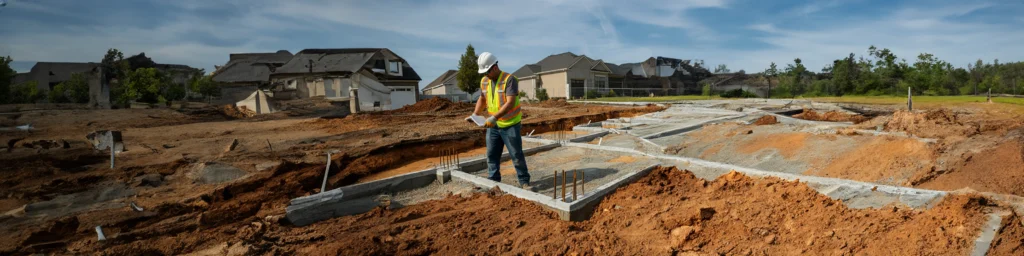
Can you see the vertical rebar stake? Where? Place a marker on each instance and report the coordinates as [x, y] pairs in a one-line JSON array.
[[574, 185], [554, 185], [563, 185], [458, 163], [583, 180]]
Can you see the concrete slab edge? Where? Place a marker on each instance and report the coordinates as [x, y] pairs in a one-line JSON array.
[[589, 137], [905, 194], [988, 233], [809, 122], [512, 190], [600, 192], [690, 128]]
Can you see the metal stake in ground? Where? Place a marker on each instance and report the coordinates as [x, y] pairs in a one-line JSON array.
[[326, 172], [574, 185], [563, 185], [910, 100], [554, 185], [583, 182]]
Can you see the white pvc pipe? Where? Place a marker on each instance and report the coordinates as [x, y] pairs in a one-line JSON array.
[[326, 171]]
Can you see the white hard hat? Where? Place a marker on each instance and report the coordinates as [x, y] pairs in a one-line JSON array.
[[485, 61]]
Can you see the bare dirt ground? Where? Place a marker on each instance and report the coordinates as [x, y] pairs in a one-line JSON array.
[[977, 146], [54, 197], [666, 212]]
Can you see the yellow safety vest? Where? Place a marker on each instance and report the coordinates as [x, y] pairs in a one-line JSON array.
[[496, 99]]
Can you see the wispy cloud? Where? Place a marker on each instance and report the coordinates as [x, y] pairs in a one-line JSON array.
[[433, 34]]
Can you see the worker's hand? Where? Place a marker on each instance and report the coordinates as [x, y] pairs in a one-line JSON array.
[[491, 122]]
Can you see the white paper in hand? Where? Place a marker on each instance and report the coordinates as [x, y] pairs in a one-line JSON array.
[[478, 120]]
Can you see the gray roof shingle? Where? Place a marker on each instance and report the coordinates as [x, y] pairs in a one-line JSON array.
[[250, 67], [343, 60], [440, 79], [61, 71]]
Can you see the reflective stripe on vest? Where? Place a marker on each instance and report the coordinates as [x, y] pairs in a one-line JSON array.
[[514, 115]]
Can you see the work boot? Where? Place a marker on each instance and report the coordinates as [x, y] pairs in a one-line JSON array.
[[527, 186]]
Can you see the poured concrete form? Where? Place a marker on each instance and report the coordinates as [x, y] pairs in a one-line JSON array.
[[630, 148], [395, 191]]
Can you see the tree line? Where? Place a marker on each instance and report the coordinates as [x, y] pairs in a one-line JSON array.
[[881, 72], [133, 79]]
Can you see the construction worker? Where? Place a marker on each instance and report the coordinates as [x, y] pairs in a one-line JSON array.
[[499, 94]]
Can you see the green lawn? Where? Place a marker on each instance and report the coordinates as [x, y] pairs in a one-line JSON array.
[[924, 100], [654, 99]]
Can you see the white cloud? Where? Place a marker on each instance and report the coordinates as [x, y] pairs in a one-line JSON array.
[[907, 32]]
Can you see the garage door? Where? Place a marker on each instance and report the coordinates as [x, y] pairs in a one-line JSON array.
[[401, 97]]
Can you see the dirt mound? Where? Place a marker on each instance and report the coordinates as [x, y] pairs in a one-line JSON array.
[[940, 123], [831, 116], [766, 120], [554, 103], [995, 170], [1010, 239], [886, 160], [434, 105], [234, 112], [668, 211]]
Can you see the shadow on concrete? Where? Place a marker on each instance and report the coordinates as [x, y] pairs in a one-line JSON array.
[[592, 174]]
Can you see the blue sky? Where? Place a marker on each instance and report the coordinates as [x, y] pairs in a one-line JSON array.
[[431, 34]]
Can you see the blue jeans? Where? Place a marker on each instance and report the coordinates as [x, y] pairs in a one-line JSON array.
[[510, 138]]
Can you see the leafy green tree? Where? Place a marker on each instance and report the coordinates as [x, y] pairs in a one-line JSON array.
[[145, 85], [74, 90], [770, 73], [6, 76], [467, 76], [27, 92], [706, 90], [204, 84], [542, 94], [721, 68]]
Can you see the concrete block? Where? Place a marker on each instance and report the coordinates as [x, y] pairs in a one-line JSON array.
[[444, 175]]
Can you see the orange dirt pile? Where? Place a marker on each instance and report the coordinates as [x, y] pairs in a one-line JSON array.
[[887, 160], [766, 120], [666, 212], [1010, 238], [831, 116], [435, 105], [788, 144], [940, 123], [554, 103], [234, 112], [1000, 170]]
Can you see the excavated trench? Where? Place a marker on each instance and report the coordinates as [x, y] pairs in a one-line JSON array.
[[352, 168]]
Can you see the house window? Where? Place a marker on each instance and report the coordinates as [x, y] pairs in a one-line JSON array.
[[290, 85], [600, 83], [395, 67]]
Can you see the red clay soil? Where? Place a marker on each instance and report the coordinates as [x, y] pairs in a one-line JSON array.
[[939, 123], [188, 225], [668, 211], [1010, 238], [882, 159], [553, 103], [999, 169], [434, 105], [831, 116], [766, 120]]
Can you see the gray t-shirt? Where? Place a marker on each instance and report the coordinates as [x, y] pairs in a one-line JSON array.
[[511, 88]]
